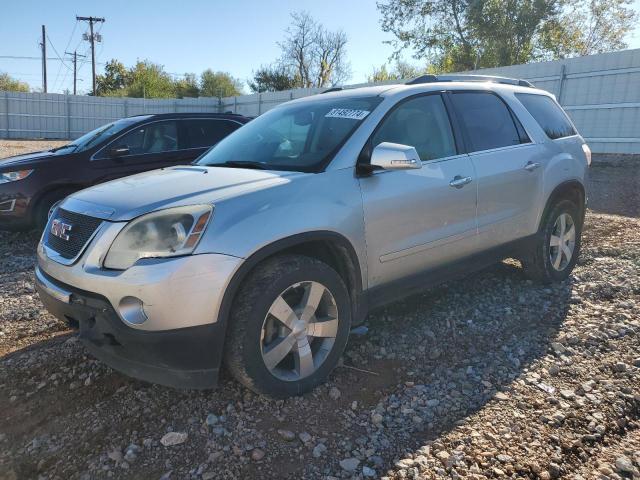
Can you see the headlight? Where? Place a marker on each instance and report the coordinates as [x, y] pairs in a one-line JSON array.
[[165, 233], [7, 177]]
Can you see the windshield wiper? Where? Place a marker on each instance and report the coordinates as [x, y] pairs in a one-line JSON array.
[[68, 145], [240, 164]]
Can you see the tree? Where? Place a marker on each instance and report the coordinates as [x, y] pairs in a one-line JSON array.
[[458, 35], [588, 27], [401, 71], [187, 86], [314, 55], [219, 84], [466, 34], [149, 80], [113, 81], [10, 84], [273, 78]]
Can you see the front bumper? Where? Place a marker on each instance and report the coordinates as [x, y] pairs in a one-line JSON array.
[[183, 358]]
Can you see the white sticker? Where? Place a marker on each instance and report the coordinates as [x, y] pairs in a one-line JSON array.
[[347, 113]]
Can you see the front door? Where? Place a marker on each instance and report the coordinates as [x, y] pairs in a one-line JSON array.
[[146, 147], [419, 219]]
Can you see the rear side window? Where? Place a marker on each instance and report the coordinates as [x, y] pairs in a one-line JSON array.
[[487, 120], [548, 114], [204, 133]]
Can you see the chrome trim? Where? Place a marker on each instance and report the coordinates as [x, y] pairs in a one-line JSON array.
[[52, 289], [55, 256], [93, 157], [12, 206]]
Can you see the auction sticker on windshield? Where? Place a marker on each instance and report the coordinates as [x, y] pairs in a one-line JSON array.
[[347, 113]]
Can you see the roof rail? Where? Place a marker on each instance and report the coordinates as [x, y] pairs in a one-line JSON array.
[[333, 89], [469, 78]]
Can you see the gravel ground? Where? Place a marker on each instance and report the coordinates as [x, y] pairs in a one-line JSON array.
[[490, 376]]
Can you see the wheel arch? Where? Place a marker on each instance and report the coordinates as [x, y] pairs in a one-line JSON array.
[[570, 190], [329, 247]]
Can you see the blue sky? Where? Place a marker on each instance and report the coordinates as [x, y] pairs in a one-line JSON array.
[[189, 36]]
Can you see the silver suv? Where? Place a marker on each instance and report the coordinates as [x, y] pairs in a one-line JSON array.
[[265, 252]]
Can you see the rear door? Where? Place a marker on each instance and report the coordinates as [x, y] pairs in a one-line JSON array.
[[507, 165], [201, 133], [419, 219], [146, 147]]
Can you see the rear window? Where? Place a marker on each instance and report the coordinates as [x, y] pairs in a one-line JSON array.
[[487, 120], [548, 114], [206, 132]]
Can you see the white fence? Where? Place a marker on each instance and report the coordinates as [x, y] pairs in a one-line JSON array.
[[600, 92]]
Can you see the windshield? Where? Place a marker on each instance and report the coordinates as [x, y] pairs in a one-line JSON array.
[[94, 137], [299, 137]]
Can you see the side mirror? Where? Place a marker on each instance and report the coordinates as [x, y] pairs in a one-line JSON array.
[[119, 151], [394, 156]]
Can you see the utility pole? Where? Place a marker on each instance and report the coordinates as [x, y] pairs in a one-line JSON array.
[[92, 39], [43, 45], [75, 68]]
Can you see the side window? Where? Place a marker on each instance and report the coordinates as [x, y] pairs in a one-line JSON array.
[[548, 114], [150, 138], [207, 132], [486, 119], [422, 123]]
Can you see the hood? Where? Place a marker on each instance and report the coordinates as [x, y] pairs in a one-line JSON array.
[[133, 196], [26, 160]]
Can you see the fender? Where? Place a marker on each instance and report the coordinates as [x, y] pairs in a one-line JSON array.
[[287, 243], [559, 191]]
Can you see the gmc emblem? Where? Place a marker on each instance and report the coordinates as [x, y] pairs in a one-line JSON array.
[[60, 229]]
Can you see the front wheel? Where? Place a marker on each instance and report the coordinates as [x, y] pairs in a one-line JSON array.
[[558, 245], [288, 326]]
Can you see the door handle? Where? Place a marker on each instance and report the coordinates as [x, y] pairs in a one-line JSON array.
[[459, 182], [531, 166]]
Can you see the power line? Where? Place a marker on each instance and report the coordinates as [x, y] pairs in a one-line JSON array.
[[23, 57]]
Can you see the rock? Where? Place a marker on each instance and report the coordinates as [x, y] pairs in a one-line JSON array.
[[624, 465], [257, 454], [318, 450], [620, 367], [553, 370], [377, 419], [115, 455], [368, 472], [208, 476], [501, 396], [334, 393], [504, 458], [558, 348], [212, 419], [305, 437], [287, 435], [567, 394], [636, 362], [173, 438], [349, 464]]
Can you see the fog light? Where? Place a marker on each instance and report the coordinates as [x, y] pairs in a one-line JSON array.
[[132, 310]]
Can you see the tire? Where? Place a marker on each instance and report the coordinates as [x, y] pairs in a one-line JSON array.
[[254, 330], [542, 263], [41, 214]]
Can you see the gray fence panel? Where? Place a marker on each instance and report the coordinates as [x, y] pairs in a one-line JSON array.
[[601, 93]]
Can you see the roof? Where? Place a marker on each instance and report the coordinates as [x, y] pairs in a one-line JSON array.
[[231, 116]]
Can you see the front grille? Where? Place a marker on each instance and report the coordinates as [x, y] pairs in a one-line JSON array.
[[82, 228]]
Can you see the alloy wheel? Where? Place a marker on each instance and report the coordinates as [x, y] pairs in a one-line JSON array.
[[299, 331], [562, 242]]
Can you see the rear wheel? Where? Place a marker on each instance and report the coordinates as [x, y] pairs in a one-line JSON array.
[[288, 326], [558, 244]]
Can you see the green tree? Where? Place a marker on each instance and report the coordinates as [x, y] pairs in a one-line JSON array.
[[273, 78], [113, 81], [148, 79], [187, 86], [458, 35], [588, 27], [10, 84], [401, 71], [219, 84]]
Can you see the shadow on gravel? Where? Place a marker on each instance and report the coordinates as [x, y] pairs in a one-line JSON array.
[[497, 325]]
